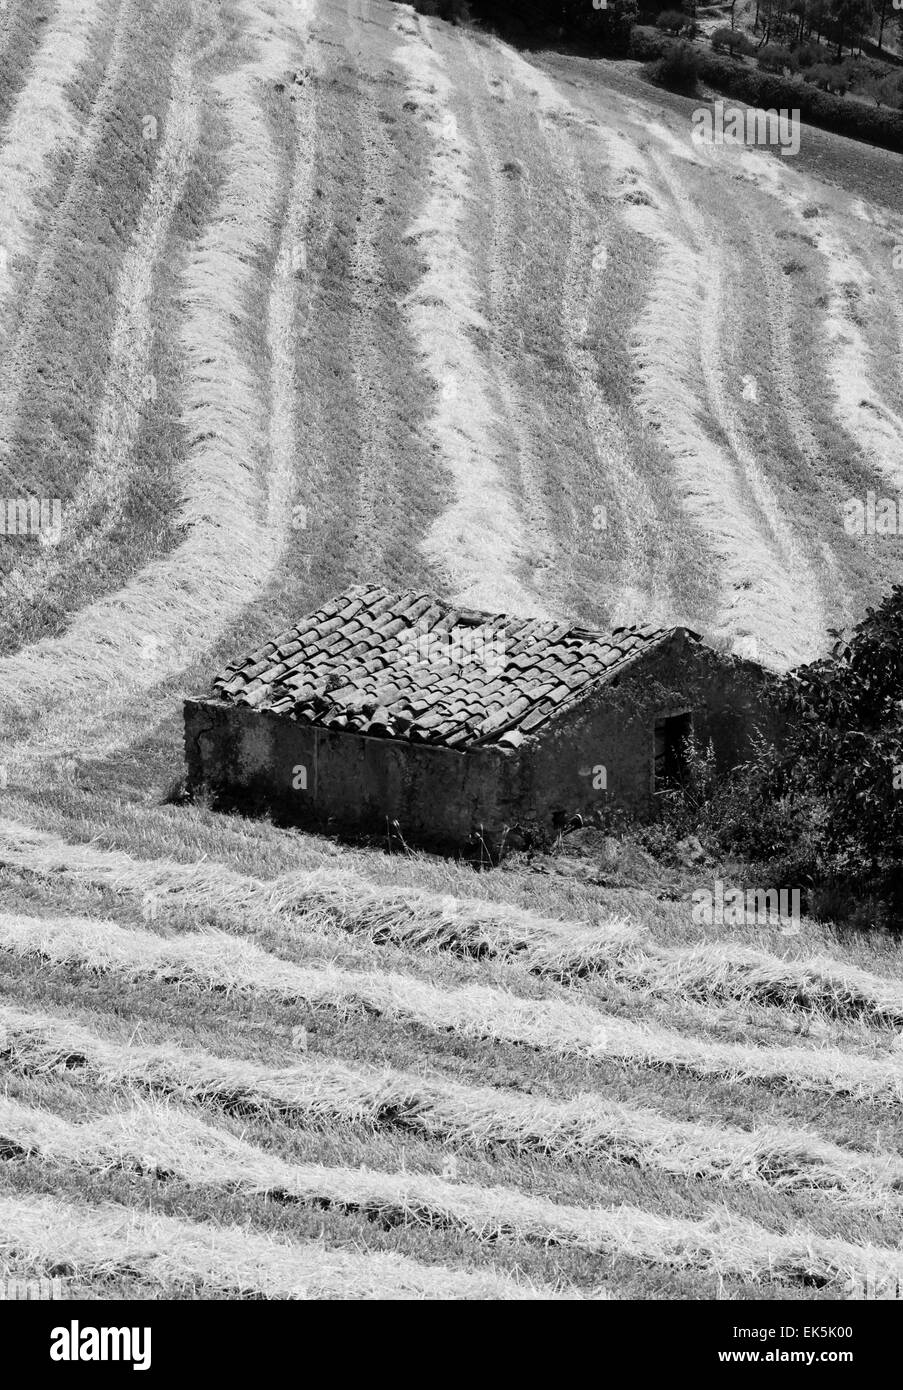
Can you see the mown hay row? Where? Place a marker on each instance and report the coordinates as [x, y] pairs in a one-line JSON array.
[[867, 419], [322, 1091], [478, 542], [42, 125], [798, 575], [161, 1139], [326, 897], [106, 481], [213, 960], [673, 395], [614, 949], [180, 603], [509, 230], [40, 1234]]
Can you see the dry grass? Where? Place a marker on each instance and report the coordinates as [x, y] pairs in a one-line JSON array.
[[104, 485], [133, 638], [42, 125], [615, 949], [413, 298], [161, 1139], [322, 1091], [864, 415], [478, 543], [214, 961], [39, 1235]]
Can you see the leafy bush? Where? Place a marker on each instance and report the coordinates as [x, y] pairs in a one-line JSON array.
[[452, 11], [672, 21], [807, 55], [647, 43], [854, 119], [830, 77], [733, 40], [774, 58], [575, 22], [889, 91], [678, 69], [826, 809]]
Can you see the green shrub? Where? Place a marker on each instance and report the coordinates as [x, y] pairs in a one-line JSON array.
[[807, 55], [889, 91], [672, 21], [677, 69], [853, 119], [774, 58], [826, 809], [830, 77], [733, 40]]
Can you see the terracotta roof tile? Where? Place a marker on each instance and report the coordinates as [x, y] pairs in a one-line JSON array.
[[410, 666]]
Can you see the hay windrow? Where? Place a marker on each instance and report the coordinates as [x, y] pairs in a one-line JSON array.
[[39, 1234], [613, 949], [478, 542], [321, 1092], [106, 479], [179, 603], [212, 960], [164, 1139], [43, 124]]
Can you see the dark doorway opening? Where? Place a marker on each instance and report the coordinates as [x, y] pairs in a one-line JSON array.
[[672, 734]]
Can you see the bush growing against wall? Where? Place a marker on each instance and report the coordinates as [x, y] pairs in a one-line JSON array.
[[826, 810]]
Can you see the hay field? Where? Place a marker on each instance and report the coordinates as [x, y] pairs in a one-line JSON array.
[[297, 295]]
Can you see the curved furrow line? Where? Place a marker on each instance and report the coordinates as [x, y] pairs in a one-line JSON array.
[[795, 415], [673, 350], [21, 34], [876, 427], [887, 237], [780, 306], [106, 482], [756, 600], [171, 1139], [560, 1024], [638, 599], [376, 472], [41, 127], [586, 1126], [673, 397], [503, 297], [768, 247], [232, 509], [801, 589], [477, 545], [282, 481]]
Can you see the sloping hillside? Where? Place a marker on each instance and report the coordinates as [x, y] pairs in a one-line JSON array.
[[301, 295]]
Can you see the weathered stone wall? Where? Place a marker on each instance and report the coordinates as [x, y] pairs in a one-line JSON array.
[[613, 729], [446, 799], [310, 776]]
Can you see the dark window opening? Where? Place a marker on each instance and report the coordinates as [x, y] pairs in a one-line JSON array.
[[672, 735]]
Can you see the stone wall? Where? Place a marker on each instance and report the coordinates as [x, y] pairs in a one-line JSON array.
[[446, 799], [309, 776], [613, 729]]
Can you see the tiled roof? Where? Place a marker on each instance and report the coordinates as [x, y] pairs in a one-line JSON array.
[[410, 666]]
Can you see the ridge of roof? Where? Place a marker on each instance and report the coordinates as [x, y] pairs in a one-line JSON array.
[[412, 666]]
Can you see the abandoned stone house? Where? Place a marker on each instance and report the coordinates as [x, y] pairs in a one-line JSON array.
[[453, 727]]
